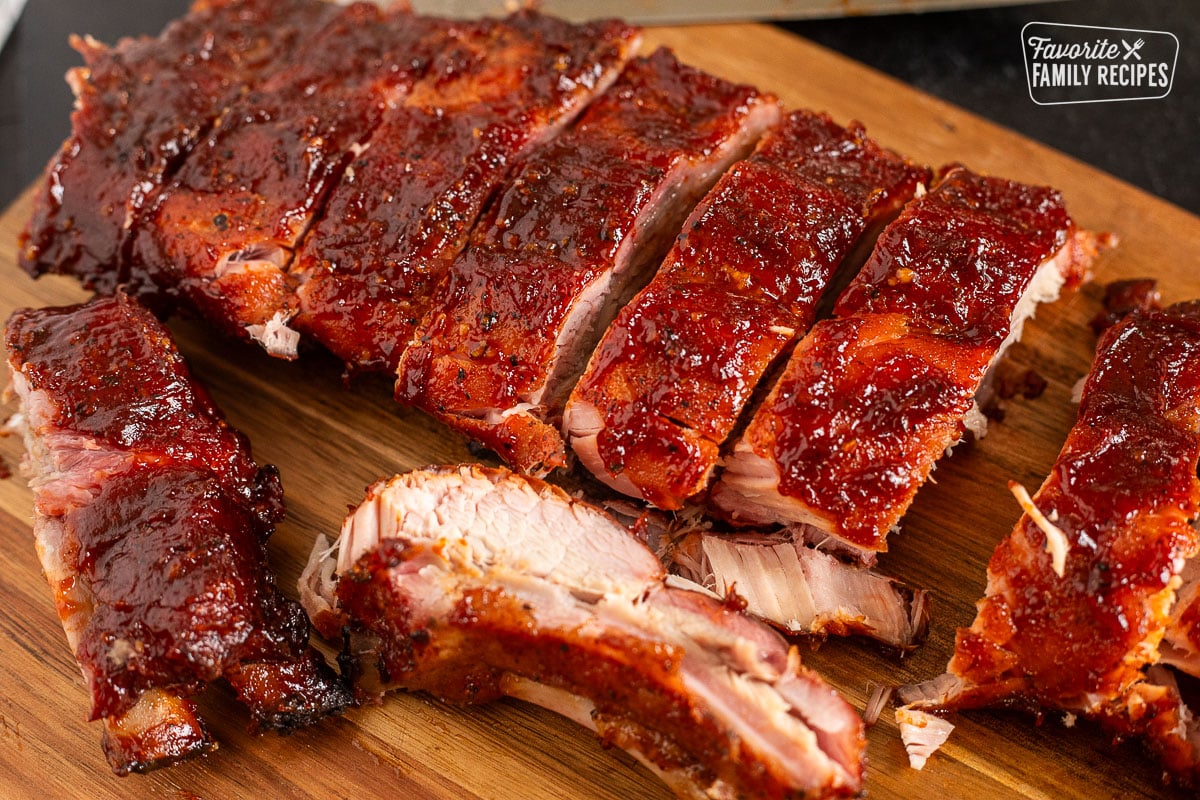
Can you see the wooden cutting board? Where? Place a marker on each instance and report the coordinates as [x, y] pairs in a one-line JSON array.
[[330, 441]]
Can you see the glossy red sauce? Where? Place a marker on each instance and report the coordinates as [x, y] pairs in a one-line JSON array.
[[676, 368], [115, 375], [871, 399], [489, 340], [1123, 491], [956, 263], [144, 106], [403, 211], [172, 546], [251, 188]]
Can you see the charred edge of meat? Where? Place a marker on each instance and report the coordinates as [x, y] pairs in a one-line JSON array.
[[160, 730]]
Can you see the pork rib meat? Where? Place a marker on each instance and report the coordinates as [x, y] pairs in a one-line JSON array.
[[141, 108], [872, 397], [1100, 570], [151, 522], [582, 225], [473, 583], [673, 373], [404, 208]]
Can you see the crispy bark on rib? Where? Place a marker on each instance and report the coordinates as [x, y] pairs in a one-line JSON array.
[[872, 397], [473, 583], [405, 206], [223, 231], [674, 371], [151, 522], [1083, 635], [802, 589], [585, 220], [141, 107]]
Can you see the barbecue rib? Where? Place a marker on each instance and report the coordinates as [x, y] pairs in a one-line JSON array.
[[585, 219], [1083, 590], [151, 525], [225, 228], [671, 376], [473, 583], [402, 213], [871, 399], [141, 108]]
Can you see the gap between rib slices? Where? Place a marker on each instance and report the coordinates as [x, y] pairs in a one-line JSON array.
[[405, 206], [576, 233], [871, 398], [471, 583], [1124, 494], [673, 373]]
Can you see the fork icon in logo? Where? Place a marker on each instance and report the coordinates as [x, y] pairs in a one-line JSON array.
[[1132, 50]]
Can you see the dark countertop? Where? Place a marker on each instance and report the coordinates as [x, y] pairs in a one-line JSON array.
[[970, 58]]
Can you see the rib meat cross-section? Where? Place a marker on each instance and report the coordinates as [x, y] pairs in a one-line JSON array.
[[872, 397], [578, 231], [473, 583], [1100, 570], [673, 373], [151, 524]]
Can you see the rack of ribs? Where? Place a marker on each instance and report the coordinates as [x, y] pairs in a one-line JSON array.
[[474, 583], [578, 231], [1093, 592], [873, 396], [673, 373], [223, 231], [404, 208], [141, 108], [151, 523]]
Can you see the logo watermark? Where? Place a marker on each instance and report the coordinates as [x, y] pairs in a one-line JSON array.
[[1088, 64]]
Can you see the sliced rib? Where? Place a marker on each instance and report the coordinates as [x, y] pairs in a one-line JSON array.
[[471, 583], [671, 376], [802, 589], [141, 107], [1082, 592], [225, 228], [406, 205], [151, 524], [585, 221], [871, 398]]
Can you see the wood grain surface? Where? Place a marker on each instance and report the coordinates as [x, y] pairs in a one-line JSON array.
[[329, 441]]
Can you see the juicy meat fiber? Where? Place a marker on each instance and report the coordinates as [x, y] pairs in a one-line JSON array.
[[802, 589], [403, 210], [576, 233], [151, 525], [472, 583], [873, 397], [1121, 499], [673, 373]]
